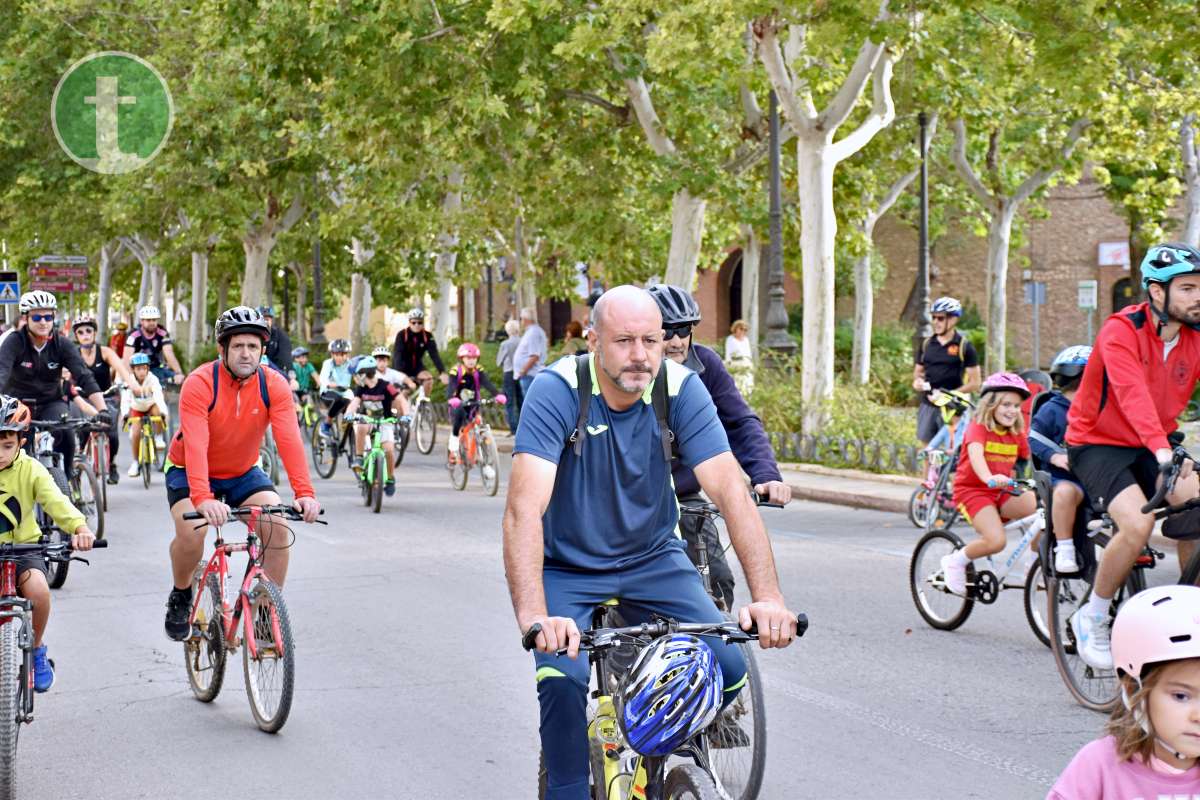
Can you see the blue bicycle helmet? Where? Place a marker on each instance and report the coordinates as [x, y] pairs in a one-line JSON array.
[[1166, 261], [672, 692], [1069, 363], [139, 360], [946, 305]]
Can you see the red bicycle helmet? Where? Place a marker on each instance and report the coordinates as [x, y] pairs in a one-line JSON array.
[[14, 415]]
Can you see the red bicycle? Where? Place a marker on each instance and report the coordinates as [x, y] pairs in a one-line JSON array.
[[268, 657]]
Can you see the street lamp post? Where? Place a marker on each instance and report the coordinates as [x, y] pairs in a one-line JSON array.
[[924, 323], [778, 341]]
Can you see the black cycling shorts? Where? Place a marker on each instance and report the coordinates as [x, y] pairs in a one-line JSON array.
[[1106, 470]]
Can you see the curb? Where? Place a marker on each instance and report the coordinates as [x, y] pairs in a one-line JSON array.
[[856, 474], [851, 499]]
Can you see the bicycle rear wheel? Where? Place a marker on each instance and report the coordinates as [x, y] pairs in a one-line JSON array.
[[939, 607], [919, 504], [489, 463], [204, 652], [266, 462], [1035, 602], [100, 457], [324, 453], [10, 701], [689, 782], [85, 496], [377, 482], [271, 673], [403, 433], [737, 739], [426, 426], [56, 571]]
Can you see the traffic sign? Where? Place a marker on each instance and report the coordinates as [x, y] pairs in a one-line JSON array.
[[1087, 294], [1035, 293], [53, 259], [10, 288], [78, 273]]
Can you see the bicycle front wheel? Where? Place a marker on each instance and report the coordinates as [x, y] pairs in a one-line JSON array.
[[489, 464], [324, 453], [403, 432], [85, 496], [10, 701], [271, 671], [1035, 602], [737, 739], [938, 605], [377, 482], [204, 651], [689, 782], [918, 507], [56, 571], [426, 427], [459, 469]]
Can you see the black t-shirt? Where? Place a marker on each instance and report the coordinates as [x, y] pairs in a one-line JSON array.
[[376, 401], [100, 369], [151, 346], [945, 364], [26, 372]]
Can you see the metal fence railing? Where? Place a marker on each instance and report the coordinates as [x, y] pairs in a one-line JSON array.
[[844, 452], [493, 414]]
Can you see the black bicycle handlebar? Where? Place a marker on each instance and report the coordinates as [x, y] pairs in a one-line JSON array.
[[244, 511], [599, 638], [1169, 470], [711, 509]]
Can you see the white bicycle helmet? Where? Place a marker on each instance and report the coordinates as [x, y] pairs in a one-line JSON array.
[[947, 305], [1158, 624], [381, 352], [37, 299], [149, 312]]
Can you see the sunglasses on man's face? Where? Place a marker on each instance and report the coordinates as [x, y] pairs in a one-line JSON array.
[[682, 331], [41, 318], [416, 322], [940, 318]]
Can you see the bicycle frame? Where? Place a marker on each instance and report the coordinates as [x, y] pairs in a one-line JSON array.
[[13, 607], [218, 565], [146, 445], [376, 440], [1033, 524]]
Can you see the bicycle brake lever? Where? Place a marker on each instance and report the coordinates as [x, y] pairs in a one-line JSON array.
[[84, 560]]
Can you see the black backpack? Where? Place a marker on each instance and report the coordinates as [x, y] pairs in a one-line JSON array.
[[660, 398]]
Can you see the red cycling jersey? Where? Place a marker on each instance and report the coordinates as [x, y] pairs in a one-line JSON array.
[[230, 447], [1130, 397]]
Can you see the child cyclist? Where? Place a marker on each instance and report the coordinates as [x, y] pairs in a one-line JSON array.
[[992, 445], [146, 398], [377, 398], [463, 393], [26, 481], [1046, 439], [303, 375], [1153, 740]]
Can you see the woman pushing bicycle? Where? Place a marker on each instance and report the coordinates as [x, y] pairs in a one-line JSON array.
[[463, 393], [210, 465], [994, 442]]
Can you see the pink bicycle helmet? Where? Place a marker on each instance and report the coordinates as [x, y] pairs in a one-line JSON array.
[[1005, 382], [468, 350], [1158, 624]]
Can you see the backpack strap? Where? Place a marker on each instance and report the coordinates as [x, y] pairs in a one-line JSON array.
[[661, 400], [583, 386], [216, 383], [262, 388]]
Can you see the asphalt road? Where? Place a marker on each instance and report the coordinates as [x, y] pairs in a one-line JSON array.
[[411, 682]]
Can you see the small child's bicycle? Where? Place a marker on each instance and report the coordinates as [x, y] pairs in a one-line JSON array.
[[932, 503], [476, 446], [945, 610], [16, 651], [374, 461], [269, 656], [149, 456]]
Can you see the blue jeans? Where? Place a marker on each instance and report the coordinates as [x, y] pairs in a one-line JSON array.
[[665, 584], [512, 411]]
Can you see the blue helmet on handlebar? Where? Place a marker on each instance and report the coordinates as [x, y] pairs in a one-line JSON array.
[[672, 692]]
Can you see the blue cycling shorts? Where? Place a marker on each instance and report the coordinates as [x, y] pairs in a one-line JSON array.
[[232, 491]]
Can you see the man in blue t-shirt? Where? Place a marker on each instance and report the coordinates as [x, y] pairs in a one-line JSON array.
[[580, 529]]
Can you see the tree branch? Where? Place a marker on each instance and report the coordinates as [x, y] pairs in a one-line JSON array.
[[293, 214], [748, 156], [750, 109], [883, 111], [1187, 141], [1039, 178], [852, 88], [800, 119], [620, 112], [959, 155], [643, 107]]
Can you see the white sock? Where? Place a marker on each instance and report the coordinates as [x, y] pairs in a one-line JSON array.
[[959, 558], [1098, 606], [1066, 546]]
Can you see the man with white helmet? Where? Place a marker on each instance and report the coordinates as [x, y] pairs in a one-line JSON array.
[[946, 360], [31, 364], [154, 340]]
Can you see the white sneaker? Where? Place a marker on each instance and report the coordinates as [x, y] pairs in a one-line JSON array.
[[1093, 636], [1064, 561], [955, 575], [452, 445], [135, 469]]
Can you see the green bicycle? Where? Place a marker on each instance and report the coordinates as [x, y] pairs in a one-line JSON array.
[[306, 411], [373, 472]]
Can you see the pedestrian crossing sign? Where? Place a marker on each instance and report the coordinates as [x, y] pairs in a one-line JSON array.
[[10, 292]]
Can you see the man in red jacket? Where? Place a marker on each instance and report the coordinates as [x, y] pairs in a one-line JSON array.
[[224, 409], [1141, 374]]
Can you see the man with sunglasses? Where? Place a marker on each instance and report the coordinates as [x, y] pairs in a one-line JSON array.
[[946, 360], [747, 437], [409, 349], [31, 364]]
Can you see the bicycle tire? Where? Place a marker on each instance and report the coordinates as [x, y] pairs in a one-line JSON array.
[[918, 507], [324, 453], [205, 653], [1034, 593], [1097, 690], [56, 571], [377, 482], [689, 782], [489, 459], [741, 776], [405, 432], [266, 462], [426, 426], [100, 458], [937, 606], [160, 453], [271, 676], [11, 659], [460, 469], [145, 469], [364, 479], [83, 484]]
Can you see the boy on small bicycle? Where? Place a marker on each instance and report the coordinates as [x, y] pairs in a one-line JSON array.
[[1046, 441], [463, 393], [302, 375], [373, 395], [994, 442], [26, 482], [146, 398]]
